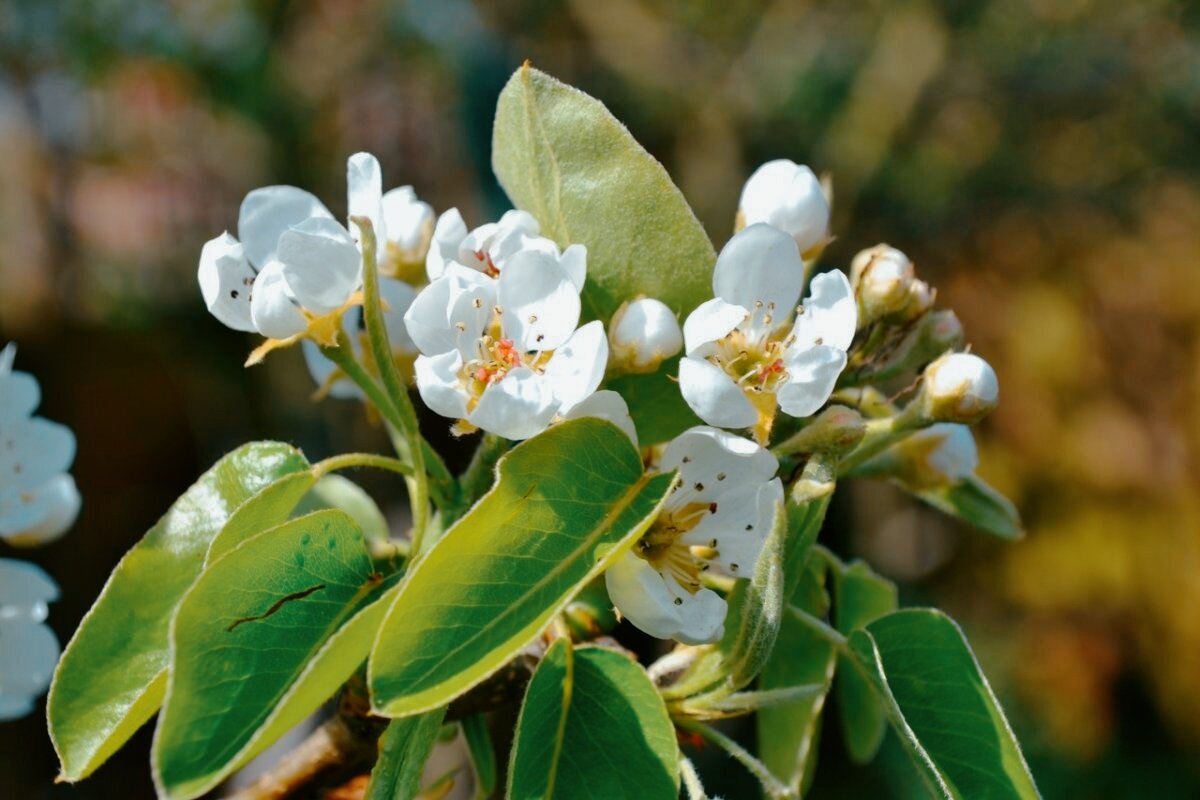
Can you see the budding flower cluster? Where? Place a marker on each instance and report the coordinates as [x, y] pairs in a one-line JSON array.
[[885, 283], [959, 387]]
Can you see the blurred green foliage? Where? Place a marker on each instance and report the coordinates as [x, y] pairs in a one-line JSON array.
[[1036, 158]]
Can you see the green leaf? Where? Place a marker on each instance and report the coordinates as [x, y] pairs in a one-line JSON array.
[[266, 634], [860, 597], [976, 502], [403, 750], [657, 406], [483, 754], [941, 706], [592, 725], [274, 504], [788, 733], [337, 491], [111, 677], [760, 609], [566, 504], [560, 155]]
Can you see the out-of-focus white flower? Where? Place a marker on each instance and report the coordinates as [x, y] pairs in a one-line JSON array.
[[788, 196], [940, 455], [29, 650], [642, 334], [745, 356], [489, 247], [959, 387], [504, 354], [716, 516], [38, 498]]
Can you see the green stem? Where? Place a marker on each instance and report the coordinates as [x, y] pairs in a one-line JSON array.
[[823, 629], [882, 434], [349, 460], [691, 779], [771, 785], [406, 415]]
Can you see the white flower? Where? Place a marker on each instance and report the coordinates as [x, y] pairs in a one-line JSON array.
[[960, 387], [787, 196], [489, 247], [744, 355], [30, 649], [942, 454], [38, 499], [607, 405], [883, 277], [642, 334], [717, 516], [504, 354]]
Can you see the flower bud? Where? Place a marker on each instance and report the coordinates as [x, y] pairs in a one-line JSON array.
[[883, 280], [942, 454], [642, 334], [787, 196], [835, 430], [936, 333], [920, 301], [959, 387]]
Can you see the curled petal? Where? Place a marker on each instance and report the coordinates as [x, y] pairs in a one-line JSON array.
[[711, 320], [274, 312], [519, 405], [760, 269], [321, 264], [364, 186], [830, 313], [607, 405], [576, 368], [267, 212], [448, 234], [713, 395], [665, 611], [540, 303], [226, 279], [439, 385], [812, 374]]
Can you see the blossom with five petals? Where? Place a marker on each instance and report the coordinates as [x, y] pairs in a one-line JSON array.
[[716, 516], [744, 354], [30, 648]]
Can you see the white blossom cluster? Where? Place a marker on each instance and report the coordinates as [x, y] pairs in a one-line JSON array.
[[496, 343]]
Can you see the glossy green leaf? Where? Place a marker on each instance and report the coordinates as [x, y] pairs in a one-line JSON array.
[[483, 754], [657, 406], [941, 706], [337, 491], [270, 507], [592, 725], [266, 634], [564, 158], [788, 733], [566, 504], [974, 501], [403, 750], [860, 597], [111, 677]]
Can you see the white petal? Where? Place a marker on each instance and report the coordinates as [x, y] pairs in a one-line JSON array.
[[713, 395], [519, 405], [397, 297], [25, 589], [954, 455], [576, 368], [788, 196], [447, 236], [27, 658], [267, 212], [710, 321], [19, 392], [226, 279], [574, 261], [739, 526], [661, 610], [830, 313], [703, 454], [275, 314], [439, 385], [321, 264], [607, 405], [42, 514], [407, 218], [452, 312], [812, 374], [364, 187], [14, 706], [540, 303], [32, 451], [320, 368], [760, 270]]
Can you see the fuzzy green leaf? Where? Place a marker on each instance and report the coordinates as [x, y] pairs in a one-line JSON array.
[[403, 750], [974, 501], [566, 504]]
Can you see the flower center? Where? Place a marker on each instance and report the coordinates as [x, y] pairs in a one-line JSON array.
[[489, 266], [663, 548], [496, 358], [754, 357]]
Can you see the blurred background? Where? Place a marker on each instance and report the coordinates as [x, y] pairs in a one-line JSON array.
[[1038, 159]]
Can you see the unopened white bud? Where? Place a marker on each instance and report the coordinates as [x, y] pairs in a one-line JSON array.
[[883, 279], [787, 196], [944, 453], [642, 334], [960, 387], [920, 300]]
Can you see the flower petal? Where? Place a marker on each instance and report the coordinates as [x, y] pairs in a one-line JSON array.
[[226, 279], [607, 405], [321, 264], [576, 368], [703, 455], [364, 194], [38, 516], [448, 234], [19, 391], [321, 368], [27, 659], [661, 610], [25, 587], [760, 270], [519, 405], [452, 312], [397, 296], [713, 395], [274, 312], [34, 450], [740, 524], [710, 321], [574, 261], [540, 303], [830, 313], [267, 212], [407, 218], [812, 374], [439, 385], [788, 196]]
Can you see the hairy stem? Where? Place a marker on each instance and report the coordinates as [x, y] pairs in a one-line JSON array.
[[350, 460], [771, 785]]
